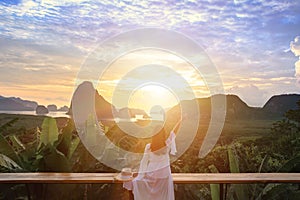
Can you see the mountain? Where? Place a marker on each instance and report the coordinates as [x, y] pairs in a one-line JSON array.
[[279, 104], [131, 112], [52, 108], [274, 108], [17, 104], [41, 110], [235, 107], [238, 109], [106, 112], [64, 108], [87, 100]]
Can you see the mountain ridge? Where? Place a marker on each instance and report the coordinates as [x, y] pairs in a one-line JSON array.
[[16, 104], [275, 107], [19, 104], [236, 108]]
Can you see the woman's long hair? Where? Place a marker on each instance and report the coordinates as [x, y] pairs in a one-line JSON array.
[[158, 143]]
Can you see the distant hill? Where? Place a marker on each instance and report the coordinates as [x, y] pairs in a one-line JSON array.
[[17, 104], [279, 104], [274, 108], [52, 108], [105, 111], [64, 108], [238, 109], [131, 112], [41, 110], [86, 92]]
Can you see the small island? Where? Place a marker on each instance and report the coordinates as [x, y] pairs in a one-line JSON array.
[[41, 110]]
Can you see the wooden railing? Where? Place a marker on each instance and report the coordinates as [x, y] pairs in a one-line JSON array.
[[179, 178]]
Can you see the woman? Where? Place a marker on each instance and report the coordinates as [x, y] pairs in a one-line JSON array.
[[154, 181]]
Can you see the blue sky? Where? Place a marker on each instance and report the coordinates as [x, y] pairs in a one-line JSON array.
[[254, 44]]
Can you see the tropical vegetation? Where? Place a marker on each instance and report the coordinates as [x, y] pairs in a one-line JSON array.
[[54, 148]]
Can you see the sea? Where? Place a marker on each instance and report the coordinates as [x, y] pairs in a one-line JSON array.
[[54, 114]]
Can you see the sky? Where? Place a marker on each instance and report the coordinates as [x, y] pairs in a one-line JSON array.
[[255, 45]]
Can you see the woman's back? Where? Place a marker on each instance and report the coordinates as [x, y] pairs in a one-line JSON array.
[[154, 180]]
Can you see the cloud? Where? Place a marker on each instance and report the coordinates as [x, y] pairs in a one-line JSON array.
[[246, 39], [297, 70], [251, 94], [295, 48]]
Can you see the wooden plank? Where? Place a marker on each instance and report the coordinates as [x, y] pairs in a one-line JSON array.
[[237, 178], [183, 178], [58, 178]]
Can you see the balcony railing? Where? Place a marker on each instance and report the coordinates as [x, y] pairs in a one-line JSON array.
[[179, 178]]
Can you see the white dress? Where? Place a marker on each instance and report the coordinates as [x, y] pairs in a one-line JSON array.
[[154, 181]]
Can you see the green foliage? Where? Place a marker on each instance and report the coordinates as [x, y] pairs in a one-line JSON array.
[[284, 155], [52, 154], [8, 165], [16, 143], [67, 144], [91, 131], [49, 132], [250, 155], [74, 144], [292, 165], [7, 150], [286, 139], [282, 127], [214, 188], [8, 124], [294, 115], [243, 147], [49, 159], [279, 191], [233, 161], [239, 190], [13, 191]]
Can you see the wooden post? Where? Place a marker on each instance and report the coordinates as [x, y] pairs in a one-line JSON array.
[[221, 191]]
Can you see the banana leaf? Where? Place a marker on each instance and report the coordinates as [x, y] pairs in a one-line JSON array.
[[214, 188], [65, 139], [8, 165], [239, 189], [52, 160], [8, 150], [49, 132], [16, 143]]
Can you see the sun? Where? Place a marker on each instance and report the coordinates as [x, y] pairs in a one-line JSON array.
[[150, 95], [156, 90]]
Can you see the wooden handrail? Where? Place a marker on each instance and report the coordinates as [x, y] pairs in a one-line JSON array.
[[183, 178]]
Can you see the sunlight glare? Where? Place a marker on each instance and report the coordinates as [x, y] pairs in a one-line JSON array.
[[150, 95]]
